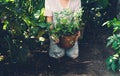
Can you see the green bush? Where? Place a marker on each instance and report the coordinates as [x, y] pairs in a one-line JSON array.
[[23, 26], [113, 62]]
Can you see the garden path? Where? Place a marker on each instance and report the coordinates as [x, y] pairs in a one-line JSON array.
[[91, 61]]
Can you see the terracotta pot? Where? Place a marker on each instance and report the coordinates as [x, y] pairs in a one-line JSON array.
[[67, 42]]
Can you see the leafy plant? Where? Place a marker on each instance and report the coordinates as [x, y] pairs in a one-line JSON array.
[[23, 26], [67, 23], [113, 62]]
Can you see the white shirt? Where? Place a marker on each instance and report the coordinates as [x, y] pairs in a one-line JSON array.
[[52, 6]]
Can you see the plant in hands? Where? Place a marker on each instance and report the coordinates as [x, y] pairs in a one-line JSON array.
[[67, 23]]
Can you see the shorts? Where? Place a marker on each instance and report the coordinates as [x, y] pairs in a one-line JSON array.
[[57, 52]]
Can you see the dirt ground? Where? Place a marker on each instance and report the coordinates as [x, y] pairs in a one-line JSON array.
[[91, 60]]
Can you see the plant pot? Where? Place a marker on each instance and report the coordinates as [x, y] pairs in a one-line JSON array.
[[67, 42]]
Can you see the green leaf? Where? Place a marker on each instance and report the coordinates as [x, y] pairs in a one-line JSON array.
[[119, 61], [108, 60], [43, 25], [34, 30], [115, 29], [116, 23], [110, 42], [114, 45], [113, 66], [106, 23]]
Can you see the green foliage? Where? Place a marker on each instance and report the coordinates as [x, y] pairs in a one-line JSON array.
[[23, 16], [68, 23], [96, 12], [6, 0], [113, 62], [114, 41], [23, 24]]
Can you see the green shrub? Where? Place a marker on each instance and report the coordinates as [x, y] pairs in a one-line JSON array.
[[23, 26], [113, 62]]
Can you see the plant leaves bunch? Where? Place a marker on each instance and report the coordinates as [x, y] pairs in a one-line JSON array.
[[67, 22], [22, 26], [113, 62]]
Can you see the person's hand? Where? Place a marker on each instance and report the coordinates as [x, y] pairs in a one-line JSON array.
[[55, 39], [78, 35], [51, 27]]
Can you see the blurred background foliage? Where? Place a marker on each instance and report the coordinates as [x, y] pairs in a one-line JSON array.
[[23, 28], [113, 41]]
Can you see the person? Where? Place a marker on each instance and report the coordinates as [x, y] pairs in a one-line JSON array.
[[52, 6]]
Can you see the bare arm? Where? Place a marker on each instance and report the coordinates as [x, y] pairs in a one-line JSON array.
[[50, 20]]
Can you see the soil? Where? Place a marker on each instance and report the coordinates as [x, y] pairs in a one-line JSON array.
[[91, 60]]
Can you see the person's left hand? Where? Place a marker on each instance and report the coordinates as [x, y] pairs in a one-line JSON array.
[[78, 35]]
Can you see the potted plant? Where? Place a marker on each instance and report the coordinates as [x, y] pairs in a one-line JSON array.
[[66, 26]]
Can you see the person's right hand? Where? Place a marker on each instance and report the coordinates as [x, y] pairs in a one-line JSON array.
[[55, 39], [51, 27]]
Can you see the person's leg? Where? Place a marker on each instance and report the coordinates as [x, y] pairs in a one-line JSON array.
[[73, 52], [55, 51]]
